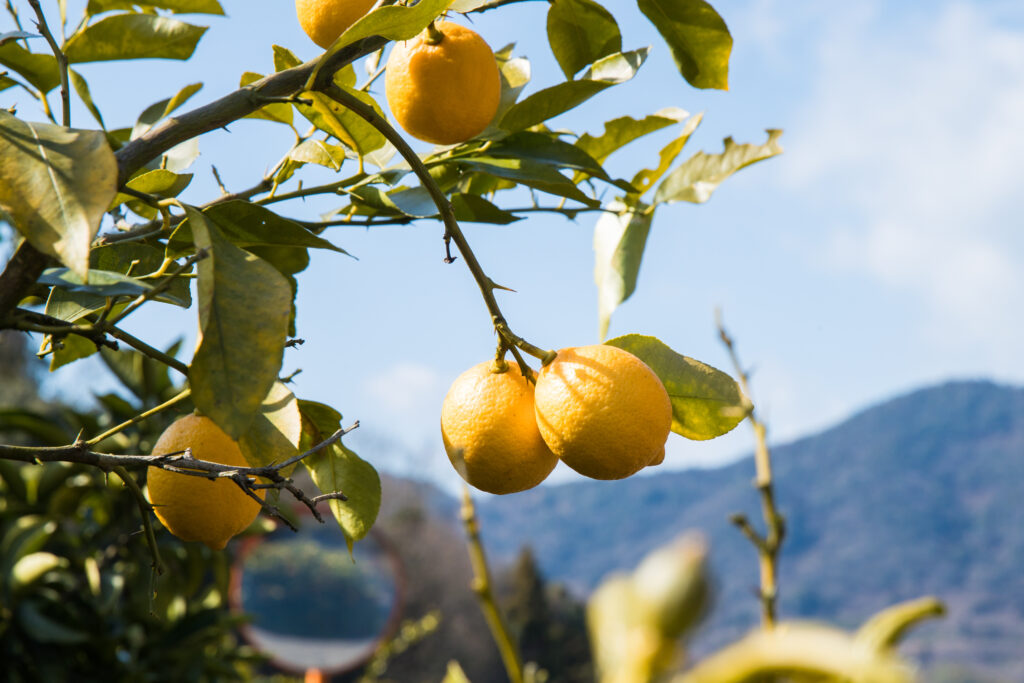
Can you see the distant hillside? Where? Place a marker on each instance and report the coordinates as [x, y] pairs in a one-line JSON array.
[[921, 495]]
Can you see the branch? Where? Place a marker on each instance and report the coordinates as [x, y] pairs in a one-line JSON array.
[[769, 545], [62, 63], [247, 478]]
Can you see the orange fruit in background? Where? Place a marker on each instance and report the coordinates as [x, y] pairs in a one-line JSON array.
[[602, 411], [194, 508], [490, 433], [445, 93], [325, 20]]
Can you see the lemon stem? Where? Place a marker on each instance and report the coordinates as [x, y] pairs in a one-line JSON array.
[[144, 509], [452, 231], [434, 35]]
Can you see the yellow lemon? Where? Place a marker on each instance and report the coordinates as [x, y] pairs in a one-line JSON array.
[[325, 20], [193, 508], [490, 433], [602, 411], [446, 92]]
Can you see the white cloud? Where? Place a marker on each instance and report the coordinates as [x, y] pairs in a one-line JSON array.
[[407, 390], [914, 126]]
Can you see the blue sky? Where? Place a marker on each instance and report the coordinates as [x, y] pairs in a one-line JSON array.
[[883, 251]]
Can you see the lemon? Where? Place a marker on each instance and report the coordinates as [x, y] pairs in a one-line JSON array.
[[446, 92], [325, 20], [193, 508], [602, 411], [489, 430]]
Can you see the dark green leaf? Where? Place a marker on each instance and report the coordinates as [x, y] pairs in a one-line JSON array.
[[274, 434], [336, 468], [705, 402], [43, 629], [699, 39], [558, 99], [55, 184], [619, 241], [176, 6], [245, 224], [548, 149], [101, 283], [134, 36], [244, 305], [581, 32], [530, 173], [475, 209], [701, 174], [39, 69]]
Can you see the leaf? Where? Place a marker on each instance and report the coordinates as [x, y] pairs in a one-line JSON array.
[[39, 69], [41, 628], [275, 432], [280, 112], [55, 184], [343, 123], [160, 182], [515, 74], [580, 32], [318, 152], [158, 110], [133, 36], [16, 35], [31, 568], [886, 629], [645, 179], [454, 673], [391, 22], [558, 99], [531, 173], [621, 131], [244, 305], [706, 402], [176, 6], [619, 240], [82, 88], [336, 468], [698, 177], [475, 209], [320, 422], [414, 201], [245, 224], [102, 283], [697, 36], [549, 149]]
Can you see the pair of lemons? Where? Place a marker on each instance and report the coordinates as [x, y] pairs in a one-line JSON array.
[[599, 409], [442, 86]]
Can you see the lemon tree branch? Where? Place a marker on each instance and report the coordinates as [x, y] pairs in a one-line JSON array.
[[769, 544], [452, 231]]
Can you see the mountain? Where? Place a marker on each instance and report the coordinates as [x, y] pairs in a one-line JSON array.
[[921, 495]]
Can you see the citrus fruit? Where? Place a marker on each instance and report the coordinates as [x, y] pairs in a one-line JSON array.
[[325, 20], [490, 433], [602, 411], [194, 508], [446, 92]]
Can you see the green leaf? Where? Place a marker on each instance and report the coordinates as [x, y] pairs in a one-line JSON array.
[[475, 209], [549, 149], [102, 283], [43, 629], [705, 402], [158, 110], [39, 69], [318, 152], [413, 201], [274, 434], [319, 422], [619, 241], [284, 58], [245, 224], [558, 99], [160, 182], [133, 36], [55, 184], [343, 123], [698, 177], [515, 74], [581, 32], [244, 305], [645, 179], [621, 131], [392, 22], [176, 6], [82, 88], [531, 173], [697, 36], [336, 468], [31, 568], [16, 35]]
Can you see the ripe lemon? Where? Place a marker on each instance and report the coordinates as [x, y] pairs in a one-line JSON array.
[[325, 20], [193, 508], [490, 433], [602, 411], [444, 93]]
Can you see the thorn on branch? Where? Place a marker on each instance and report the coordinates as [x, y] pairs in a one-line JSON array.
[[292, 343]]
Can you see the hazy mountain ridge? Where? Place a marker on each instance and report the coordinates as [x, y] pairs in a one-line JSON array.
[[923, 494]]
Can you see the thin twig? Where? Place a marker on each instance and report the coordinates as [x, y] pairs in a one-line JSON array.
[[144, 510], [768, 545], [139, 418], [485, 593], [62, 63]]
